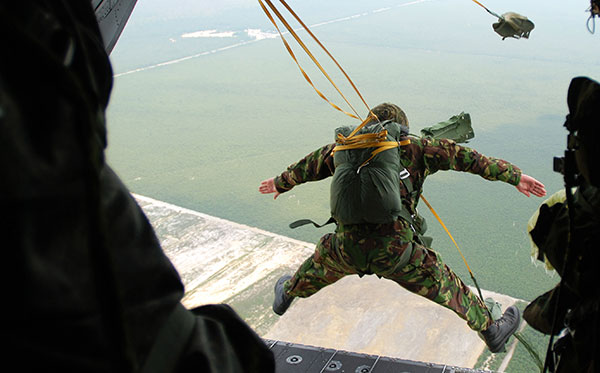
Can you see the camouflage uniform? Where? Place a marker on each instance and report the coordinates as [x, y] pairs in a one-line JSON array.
[[393, 250]]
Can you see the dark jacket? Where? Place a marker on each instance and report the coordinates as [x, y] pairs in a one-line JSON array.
[[86, 285]]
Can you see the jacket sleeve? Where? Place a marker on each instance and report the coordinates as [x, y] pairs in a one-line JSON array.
[[446, 154], [315, 166]]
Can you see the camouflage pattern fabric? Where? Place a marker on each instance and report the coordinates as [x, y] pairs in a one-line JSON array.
[[421, 158], [387, 251], [367, 248]]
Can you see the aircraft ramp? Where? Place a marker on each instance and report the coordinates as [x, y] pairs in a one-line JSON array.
[[380, 322]]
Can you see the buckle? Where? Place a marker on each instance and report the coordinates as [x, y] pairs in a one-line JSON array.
[[404, 174]]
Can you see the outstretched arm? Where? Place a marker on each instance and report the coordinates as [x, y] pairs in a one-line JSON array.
[[446, 154], [528, 185], [315, 166], [268, 186]]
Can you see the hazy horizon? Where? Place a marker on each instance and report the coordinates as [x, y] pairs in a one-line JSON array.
[[206, 105]]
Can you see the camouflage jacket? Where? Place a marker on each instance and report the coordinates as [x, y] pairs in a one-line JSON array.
[[421, 158]]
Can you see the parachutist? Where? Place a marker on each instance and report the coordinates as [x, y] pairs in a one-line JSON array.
[[379, 230]]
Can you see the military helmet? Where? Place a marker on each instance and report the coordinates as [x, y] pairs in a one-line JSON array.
[[389, 111]]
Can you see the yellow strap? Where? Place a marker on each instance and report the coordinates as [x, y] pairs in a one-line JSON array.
[[367, 137], [374, 140], [364, 145], [447, 231], [380, 146], [326, 51], [480, 4], [380, 149], [289, 49], [364, 123], [352, 141], [489, 11]]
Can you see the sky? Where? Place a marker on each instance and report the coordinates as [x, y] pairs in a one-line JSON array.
[[560, 27]]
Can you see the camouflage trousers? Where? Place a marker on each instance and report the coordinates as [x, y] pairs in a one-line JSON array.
[[389, 251]]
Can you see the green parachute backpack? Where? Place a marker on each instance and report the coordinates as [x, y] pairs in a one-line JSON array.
[[457, 128], [367, 192], [513, 25], [371, 193]]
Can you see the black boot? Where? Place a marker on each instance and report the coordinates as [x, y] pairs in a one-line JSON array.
[[282, 301], [496, 335]]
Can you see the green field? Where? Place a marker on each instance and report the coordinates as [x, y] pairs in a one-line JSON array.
[[202, 133]]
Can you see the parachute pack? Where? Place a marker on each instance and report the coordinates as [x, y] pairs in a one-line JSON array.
[[363, 190], [513, 25], [457, 128], [510, 24], [366, 188]]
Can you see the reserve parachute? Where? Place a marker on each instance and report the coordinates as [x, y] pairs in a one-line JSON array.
[[457, 127], [510, 24]]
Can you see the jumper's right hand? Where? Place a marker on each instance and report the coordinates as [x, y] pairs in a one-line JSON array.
[[528, 185], [268, 186]]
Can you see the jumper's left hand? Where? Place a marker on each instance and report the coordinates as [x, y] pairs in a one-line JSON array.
[[528, 185]]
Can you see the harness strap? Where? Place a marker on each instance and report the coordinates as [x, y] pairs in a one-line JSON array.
[[404, 174], [404, 178], [489, 11], [309, 54], [455, 244], [368, 140], [404, 214], [406, 255]]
